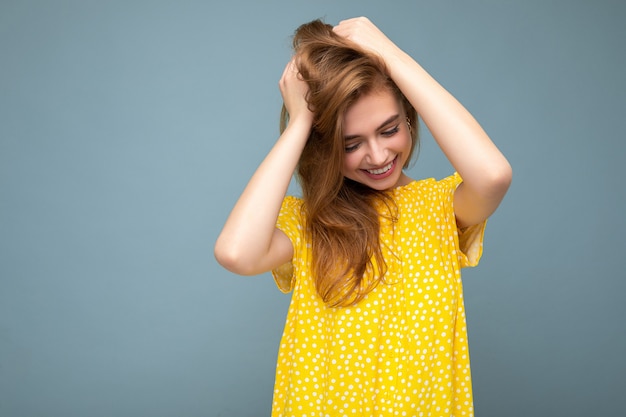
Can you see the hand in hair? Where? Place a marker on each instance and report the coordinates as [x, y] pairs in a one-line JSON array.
[[364, 33], [294, 90]]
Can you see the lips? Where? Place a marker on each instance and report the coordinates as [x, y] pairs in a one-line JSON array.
[[382, 172]]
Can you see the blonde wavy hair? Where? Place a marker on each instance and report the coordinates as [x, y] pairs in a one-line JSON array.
[[342, 222]]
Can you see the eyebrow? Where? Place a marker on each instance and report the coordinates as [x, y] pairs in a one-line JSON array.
[[383, 124]]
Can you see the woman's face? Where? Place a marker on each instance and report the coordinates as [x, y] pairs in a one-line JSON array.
[[377, 141]]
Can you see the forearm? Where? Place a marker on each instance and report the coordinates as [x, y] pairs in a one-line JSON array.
[[246, 239], [464, 142], [485, 171]]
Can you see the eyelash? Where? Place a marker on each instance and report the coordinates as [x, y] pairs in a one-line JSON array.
[[387, 134], [391, 132], [352, 148]]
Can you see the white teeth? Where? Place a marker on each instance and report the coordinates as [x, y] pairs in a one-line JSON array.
[[381, 170]]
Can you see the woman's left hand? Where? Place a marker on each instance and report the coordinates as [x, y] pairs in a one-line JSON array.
[[364, 33]]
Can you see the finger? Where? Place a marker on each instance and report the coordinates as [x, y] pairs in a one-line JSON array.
[[339, 28], [289, 69], [345, 28]]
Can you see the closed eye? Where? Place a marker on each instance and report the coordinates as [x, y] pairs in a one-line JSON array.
[[353, 147], [391, 132]]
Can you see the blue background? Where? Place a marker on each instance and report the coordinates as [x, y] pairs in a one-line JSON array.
[[129, 128]]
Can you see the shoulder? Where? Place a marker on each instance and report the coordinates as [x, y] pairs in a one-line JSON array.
[[291, 216], [292, 200], [428, 185], [292, 205]]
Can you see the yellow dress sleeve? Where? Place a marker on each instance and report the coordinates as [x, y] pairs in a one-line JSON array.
[[289, 222], [469, 239]]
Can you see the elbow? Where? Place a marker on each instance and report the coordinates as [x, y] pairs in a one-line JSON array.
[[501, 177], [493, 181], [223, 257], [482, 194], [231, 259], [495, 178]]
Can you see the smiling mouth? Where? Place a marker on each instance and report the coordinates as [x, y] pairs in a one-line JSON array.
[[382, 170]]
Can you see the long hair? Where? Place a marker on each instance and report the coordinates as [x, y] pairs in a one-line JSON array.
[[342, 221]]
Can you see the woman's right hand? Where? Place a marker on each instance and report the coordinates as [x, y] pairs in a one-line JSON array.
[[294, 91]]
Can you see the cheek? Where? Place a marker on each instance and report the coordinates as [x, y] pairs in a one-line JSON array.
[[405, 141], [350, 162], [407, 149]]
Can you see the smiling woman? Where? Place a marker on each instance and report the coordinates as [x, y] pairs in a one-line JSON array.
[[376, 155], [376, 325]]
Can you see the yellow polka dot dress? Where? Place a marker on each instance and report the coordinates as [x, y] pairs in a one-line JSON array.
[[402, 350]]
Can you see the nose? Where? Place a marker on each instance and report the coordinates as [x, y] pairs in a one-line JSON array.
[[376, 153]]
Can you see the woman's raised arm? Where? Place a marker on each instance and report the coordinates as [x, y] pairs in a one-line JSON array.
[[485, 171], [250, 243]]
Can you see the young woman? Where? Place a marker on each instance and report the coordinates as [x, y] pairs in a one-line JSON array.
[[376, 325]]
